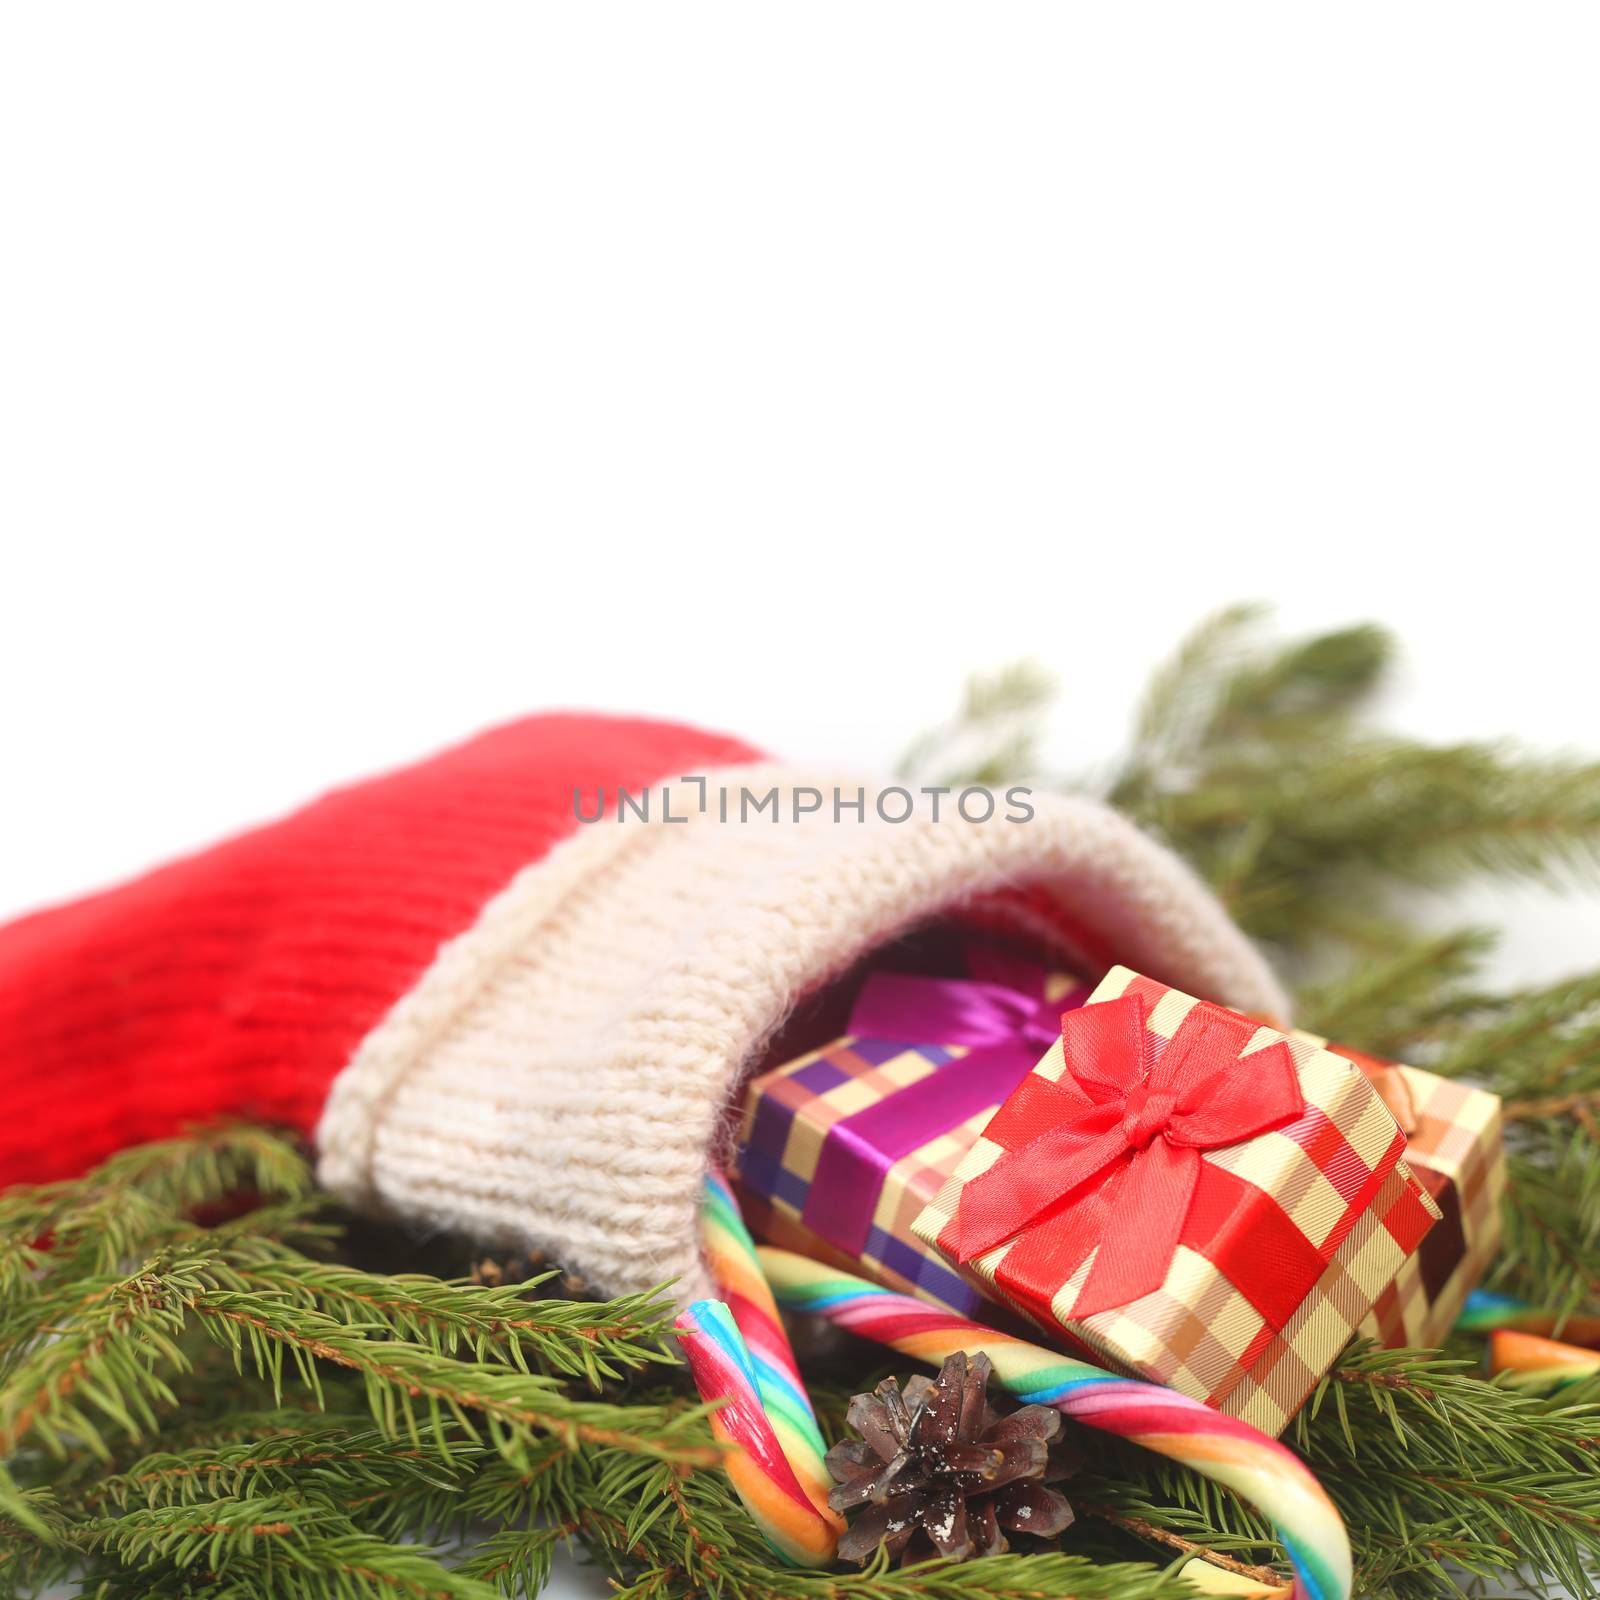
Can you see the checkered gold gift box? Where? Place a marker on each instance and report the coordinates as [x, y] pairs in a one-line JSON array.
[[1454, 1145], [1292, 1234], [840, 1149]]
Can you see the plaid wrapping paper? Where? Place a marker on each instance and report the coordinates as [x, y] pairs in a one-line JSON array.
[[788, 1116], [1336, 1172], [1454, 1146]]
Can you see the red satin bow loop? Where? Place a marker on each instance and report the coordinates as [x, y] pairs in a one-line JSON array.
[[1116, 1158]]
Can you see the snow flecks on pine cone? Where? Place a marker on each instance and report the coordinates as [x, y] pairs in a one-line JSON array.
[[939, 1471]]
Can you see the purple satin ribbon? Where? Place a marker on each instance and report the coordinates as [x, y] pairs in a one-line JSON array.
[[1005, 1027]]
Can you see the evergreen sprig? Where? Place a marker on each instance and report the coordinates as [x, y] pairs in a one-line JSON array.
[[278, 1544], [574, 1338], [137, 1195], [993, 737], [1438, 1473], [358, 1423], [1253, 760]]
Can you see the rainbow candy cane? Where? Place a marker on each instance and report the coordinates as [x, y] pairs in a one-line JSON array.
[[730, 1254], [762, 1477], [1221, 1448]]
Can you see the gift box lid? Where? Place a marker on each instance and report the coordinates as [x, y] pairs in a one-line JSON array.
[[1271, 1206], [841, 1147]]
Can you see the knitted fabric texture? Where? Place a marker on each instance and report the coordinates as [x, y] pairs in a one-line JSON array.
[[501, 1021], [239, 980], [560, 1076]]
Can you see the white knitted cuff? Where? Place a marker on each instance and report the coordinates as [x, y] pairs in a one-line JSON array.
[[558, 1077]]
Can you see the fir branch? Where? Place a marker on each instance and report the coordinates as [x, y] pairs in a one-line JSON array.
[[1249, 758], [1425, 1459], [100, 1364], [101, 1358], [1127, 1487], [1540, 1050], [1224, 690], [95, 1222], [1533, 1042], [1045, 1576], [1388, 1005], [1303, 683], [207, 1416], [1340, 823], [275, 1544], [1149, 1532], [412, 1388], [329, 1460], [35, 1540], [100, 1225], [517, 1561], [994, 735], [1434, 1470], [1551, 1251], [1250, 761], [656, 1531], [1180, 705], [628, 1511], [594, 1341]]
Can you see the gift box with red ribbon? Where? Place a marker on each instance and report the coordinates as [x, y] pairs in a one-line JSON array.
[[1454, 1145], [841, 1148], [1188, 1195]]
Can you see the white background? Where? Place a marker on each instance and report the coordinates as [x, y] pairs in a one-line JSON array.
[[369, 373]]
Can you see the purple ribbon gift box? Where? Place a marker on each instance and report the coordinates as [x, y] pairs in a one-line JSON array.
[[841, 1149]]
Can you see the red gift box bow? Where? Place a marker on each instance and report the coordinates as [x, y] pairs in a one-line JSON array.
[[1110, 1154]]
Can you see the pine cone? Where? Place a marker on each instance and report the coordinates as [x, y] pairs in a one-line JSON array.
[[939, 1467]]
